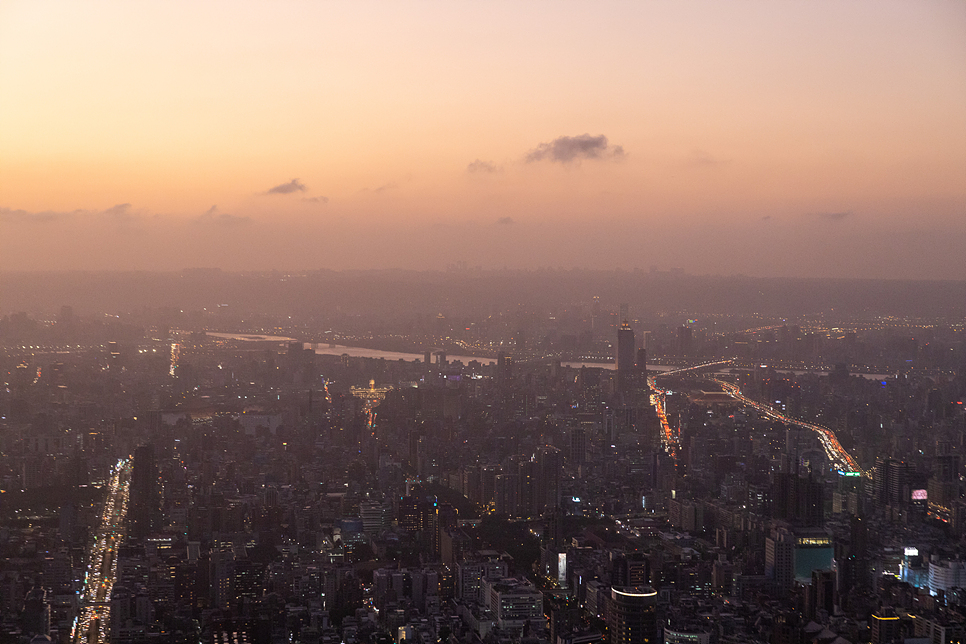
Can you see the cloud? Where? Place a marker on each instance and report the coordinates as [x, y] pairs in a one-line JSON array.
[[213, 216], [10, 215], [834, 216], [119, 214], [287, 188], [566, 149], [392, 185], [505, 220], [482, 166], [318, 199], [766, 218], [701, 159]]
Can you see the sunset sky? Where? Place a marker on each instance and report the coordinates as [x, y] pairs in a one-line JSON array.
[[766, 138]]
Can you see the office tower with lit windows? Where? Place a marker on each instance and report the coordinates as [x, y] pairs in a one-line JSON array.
[[780, 559], [632, 616]]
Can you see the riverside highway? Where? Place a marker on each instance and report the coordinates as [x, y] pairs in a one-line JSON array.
[[91, 626], [840, 459], [837, 455]]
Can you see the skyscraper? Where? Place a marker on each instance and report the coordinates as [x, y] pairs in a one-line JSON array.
[[891, 478], [549, 465], [626, 355], [632, 618], [145, 499], [780, 559]]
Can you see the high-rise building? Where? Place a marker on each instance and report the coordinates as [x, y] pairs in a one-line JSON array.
[[412, 515], [595, 319], [578, 445], [821, 593], [445, 516], [145, 499], [797, 499], [685, 340], [632, 617], [780, 559], [885, 626], [222, 578], [549, 465], [891, 477], [626, 354], [513, 602], [504, 368], [506, 494], [529, 494]]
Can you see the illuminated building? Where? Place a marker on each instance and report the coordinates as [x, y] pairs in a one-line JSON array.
[[686, 636], [371, 395], [885, 626], [504, 368], [412, 514], [944, 575], [632, 617], [513, 602]]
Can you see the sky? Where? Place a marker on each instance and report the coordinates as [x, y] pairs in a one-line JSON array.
[[816, 139]]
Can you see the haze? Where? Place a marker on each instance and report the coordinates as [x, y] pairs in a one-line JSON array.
[[820, 139]]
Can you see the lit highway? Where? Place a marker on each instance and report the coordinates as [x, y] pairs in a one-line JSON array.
[[837, 455], [840, 459], [668, 439], [92, 624]]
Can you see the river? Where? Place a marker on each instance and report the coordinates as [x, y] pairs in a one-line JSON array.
[[324, 349]]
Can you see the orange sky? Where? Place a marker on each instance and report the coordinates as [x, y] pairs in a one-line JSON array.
[[818, 138]]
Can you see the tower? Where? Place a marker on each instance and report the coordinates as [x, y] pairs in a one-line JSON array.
[[145, 493], [626, 357], [685, 338], [632, 618], [780, 559]]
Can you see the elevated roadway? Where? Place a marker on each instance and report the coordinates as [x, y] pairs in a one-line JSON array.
[[92, 625]]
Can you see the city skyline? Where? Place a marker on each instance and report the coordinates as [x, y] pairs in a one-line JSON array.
[[819, 140]]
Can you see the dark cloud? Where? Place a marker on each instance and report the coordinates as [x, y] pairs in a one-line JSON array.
[[482, 166], [319, 199], [505, 220], [214, 216], [287, 188], [766, 218], [566, 149], [834, 216]]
